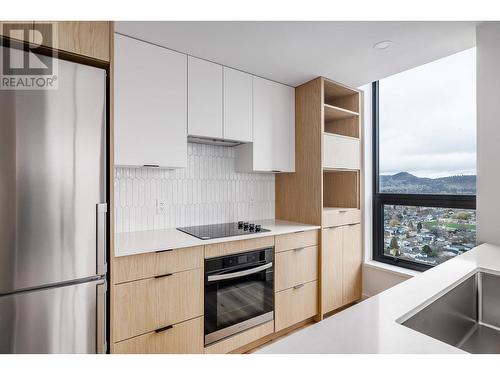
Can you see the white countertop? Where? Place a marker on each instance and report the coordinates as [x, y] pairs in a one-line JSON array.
[[371, 326], [131, 243]]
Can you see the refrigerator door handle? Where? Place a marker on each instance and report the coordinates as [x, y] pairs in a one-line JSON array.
[[101, 344], [102, 209]]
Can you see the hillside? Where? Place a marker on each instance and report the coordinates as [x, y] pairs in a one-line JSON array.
[[407, 183]]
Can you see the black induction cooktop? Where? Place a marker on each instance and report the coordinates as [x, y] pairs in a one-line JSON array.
[[207, 232]]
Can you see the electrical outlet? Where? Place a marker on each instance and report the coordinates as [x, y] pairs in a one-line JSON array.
[[161, 207]]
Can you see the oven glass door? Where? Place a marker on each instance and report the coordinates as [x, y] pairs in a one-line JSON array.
[[234, 300]]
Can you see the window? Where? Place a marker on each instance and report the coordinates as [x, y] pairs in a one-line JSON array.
[[424, 188]]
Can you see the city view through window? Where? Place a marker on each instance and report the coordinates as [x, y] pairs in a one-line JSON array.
[[427, 145], [428, 235]]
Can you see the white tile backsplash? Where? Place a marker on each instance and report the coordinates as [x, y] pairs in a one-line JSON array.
[[208, 191]]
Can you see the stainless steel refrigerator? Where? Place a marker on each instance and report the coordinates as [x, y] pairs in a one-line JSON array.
[[53, 215]]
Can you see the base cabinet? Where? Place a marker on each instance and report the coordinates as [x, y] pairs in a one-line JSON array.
[[295, 305], [352, 263], [342, 259], [331, 262], [158, 298], [181, 338], [152, 304]]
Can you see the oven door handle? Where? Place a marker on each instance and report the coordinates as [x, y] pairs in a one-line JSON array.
[[240, 273]]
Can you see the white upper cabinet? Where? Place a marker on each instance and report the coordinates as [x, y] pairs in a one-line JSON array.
[[238, 124], [150, 105], [204, 99], [273, 147]]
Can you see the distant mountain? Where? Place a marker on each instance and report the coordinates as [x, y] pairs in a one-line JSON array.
[[406, 183]]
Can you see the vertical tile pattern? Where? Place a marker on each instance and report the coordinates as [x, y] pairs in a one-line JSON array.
[[208, 191]]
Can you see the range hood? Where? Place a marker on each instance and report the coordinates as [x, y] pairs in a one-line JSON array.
[[213, 141]]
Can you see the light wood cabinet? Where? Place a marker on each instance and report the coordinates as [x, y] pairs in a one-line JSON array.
[[16, 34], [204, 98], [146, 305], [342, 259], [295, 267], [338, 216], [273, 147], [233, 247], [238, 91], [241, 339], [135, 267], [295, 240], [150, 105], [296, 275], [352, 263], [181, 338], [83, 38], [295, 305], [86, 38], [332, 268]]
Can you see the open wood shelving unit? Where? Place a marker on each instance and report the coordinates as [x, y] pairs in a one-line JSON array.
[[326, 189]]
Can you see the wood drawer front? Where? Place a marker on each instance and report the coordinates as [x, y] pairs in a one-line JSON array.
[[336, 218], [232, 247], [182, 338], [295, 305], [145, 305], [295, 267], [341, 152], [296, 240], [241, 339], [135, 267]]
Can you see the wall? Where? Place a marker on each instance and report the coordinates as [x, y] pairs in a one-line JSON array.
[[208, 191], [488, 132], [377, 276]]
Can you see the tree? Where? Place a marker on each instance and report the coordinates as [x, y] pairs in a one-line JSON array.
[[419, 227], [462, 215], [394, 246], [428, 250]]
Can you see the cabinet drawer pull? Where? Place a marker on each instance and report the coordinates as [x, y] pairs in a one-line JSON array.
[[164, 275], [298, 286], [162, 251], [163, 329], [300, 248], [342, 211], [151, 166]]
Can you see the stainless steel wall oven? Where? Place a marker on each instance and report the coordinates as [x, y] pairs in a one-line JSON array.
[[239, 293]]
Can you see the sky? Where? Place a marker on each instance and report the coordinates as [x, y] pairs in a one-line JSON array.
[[428, 118]]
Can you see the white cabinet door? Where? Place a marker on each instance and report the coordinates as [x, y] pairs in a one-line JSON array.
[[204, 98], [273, 147], [264, 121], [284, 128], [150, 105], [237, 106]]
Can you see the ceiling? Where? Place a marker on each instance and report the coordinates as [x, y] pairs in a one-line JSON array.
[[294, 52]]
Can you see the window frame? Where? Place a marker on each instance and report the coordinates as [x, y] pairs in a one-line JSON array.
[[381, 199]]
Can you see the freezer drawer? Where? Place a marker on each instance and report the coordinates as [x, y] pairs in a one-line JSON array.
[[52, 163], [67, 319]]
